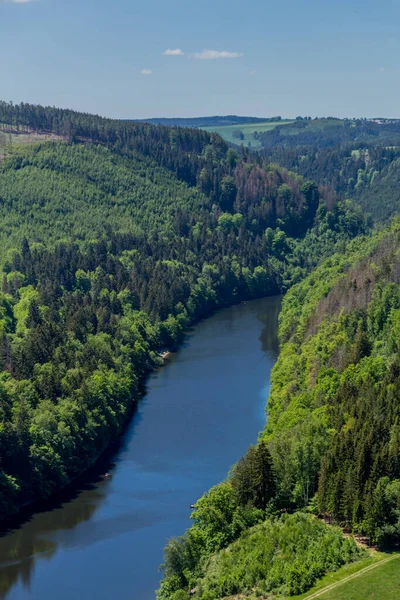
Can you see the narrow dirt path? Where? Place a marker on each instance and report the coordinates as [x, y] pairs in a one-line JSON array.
[[353, 576]]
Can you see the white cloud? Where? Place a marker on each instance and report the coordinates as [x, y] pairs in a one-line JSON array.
[[215, 54], [176, 52], [252, 72], [15, 1], [146, 72]]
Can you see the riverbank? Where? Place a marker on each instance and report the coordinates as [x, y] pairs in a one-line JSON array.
[[197, 417], [166, 355], [155, 359]]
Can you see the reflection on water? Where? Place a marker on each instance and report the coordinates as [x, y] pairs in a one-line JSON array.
[[268, 314], [32, 537], [104, 539]]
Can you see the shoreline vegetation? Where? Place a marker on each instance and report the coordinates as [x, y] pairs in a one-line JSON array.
[[112, 243], [117, 239], [161, 358], [163, 355], [338, 333], [28, 507]]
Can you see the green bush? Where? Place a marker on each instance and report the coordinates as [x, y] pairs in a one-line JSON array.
[[283, 556]]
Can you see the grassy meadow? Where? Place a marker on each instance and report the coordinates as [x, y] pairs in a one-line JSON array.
[[379, 583], [226, 131], [376, 577]]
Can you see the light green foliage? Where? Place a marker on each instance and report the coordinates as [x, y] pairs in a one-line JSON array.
[[214, 515], [180, 595], [382, 581], [81, 323], [284, 556], [111, 245], [62, 191], [225, 221], [336, 373], [21, 309], [219, 517]]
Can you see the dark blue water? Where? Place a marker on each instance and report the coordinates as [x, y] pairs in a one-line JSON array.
[[200, 413]]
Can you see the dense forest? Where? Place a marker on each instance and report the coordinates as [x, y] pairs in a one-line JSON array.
[[242, 543], [331, 446], [358, 159], [115, 236], [113, 240], [333, 408], [331, 132], [366, 173]]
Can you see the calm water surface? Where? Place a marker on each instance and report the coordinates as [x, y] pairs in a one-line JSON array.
[[200, 413]]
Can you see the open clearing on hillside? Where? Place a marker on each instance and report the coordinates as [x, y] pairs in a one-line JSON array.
[[226, 131], [374, 578], [26, 138], [11, 138], [380, 581]]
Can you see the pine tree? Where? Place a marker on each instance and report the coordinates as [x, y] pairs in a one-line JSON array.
[[264, 476]]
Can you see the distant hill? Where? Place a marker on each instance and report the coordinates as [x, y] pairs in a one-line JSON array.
[[216, 121], [234, 129], [358, 158], [331, 132], [248, 134]]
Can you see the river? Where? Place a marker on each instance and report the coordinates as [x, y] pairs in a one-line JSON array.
[[201, 411]]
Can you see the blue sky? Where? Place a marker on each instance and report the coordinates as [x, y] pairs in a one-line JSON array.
[[254, 57]]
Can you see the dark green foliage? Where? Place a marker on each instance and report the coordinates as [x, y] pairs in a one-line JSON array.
[[330, 132], [253, 477], [285, 555], [59, 192], [111, 243], [357, 159], [380, 195], [333, 409], [366, 171], [332, 439], [238, 134], [361, 346]]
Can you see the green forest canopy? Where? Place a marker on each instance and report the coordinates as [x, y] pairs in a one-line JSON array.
[[112, 242], [119, 235], [331, 445]]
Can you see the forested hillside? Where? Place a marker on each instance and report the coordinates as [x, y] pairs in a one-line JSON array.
[[331, 445], [367, 173], [358, 159], [202, 122], [113, 240], [331, 132], [333, 408]]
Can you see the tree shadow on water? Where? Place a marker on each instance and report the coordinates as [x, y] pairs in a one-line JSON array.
[[32, 534]]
